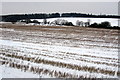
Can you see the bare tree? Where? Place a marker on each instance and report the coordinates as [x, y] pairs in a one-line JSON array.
[[44, 21]]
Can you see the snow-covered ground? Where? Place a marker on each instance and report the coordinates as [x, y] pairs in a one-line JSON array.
[[53, 51], [114, 22], [8, 72]]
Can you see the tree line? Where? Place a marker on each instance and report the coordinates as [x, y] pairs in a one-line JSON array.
[[63, 22], [16, 17]]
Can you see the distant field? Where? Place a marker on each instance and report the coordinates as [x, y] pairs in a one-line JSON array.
[[59, 51]]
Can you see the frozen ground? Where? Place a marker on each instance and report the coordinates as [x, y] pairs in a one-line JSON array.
[[53, 51]]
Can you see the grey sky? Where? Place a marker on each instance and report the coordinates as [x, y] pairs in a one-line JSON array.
[[48, 7], [59, 0]]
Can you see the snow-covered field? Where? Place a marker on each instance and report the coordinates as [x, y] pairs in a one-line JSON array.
[[53, 51], [114, 22]]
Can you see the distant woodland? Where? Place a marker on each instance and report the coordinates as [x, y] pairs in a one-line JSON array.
[[16, 17]]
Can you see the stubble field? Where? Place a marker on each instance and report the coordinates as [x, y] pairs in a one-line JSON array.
[[60, 51]]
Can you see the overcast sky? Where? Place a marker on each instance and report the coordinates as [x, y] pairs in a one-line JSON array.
[[48, 7]]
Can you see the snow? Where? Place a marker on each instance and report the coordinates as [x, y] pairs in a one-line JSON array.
[[1, 22], [114, 22], [17, 73], [55, 50], [8, 72], [1, 72]]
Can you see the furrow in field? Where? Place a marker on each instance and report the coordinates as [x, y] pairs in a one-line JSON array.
[[83, 51], [58, 52], [70, 50], [72, 37], [37, 70], [52, 72], [87, 62], [60, 64], [57, 55], [68, 70]]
